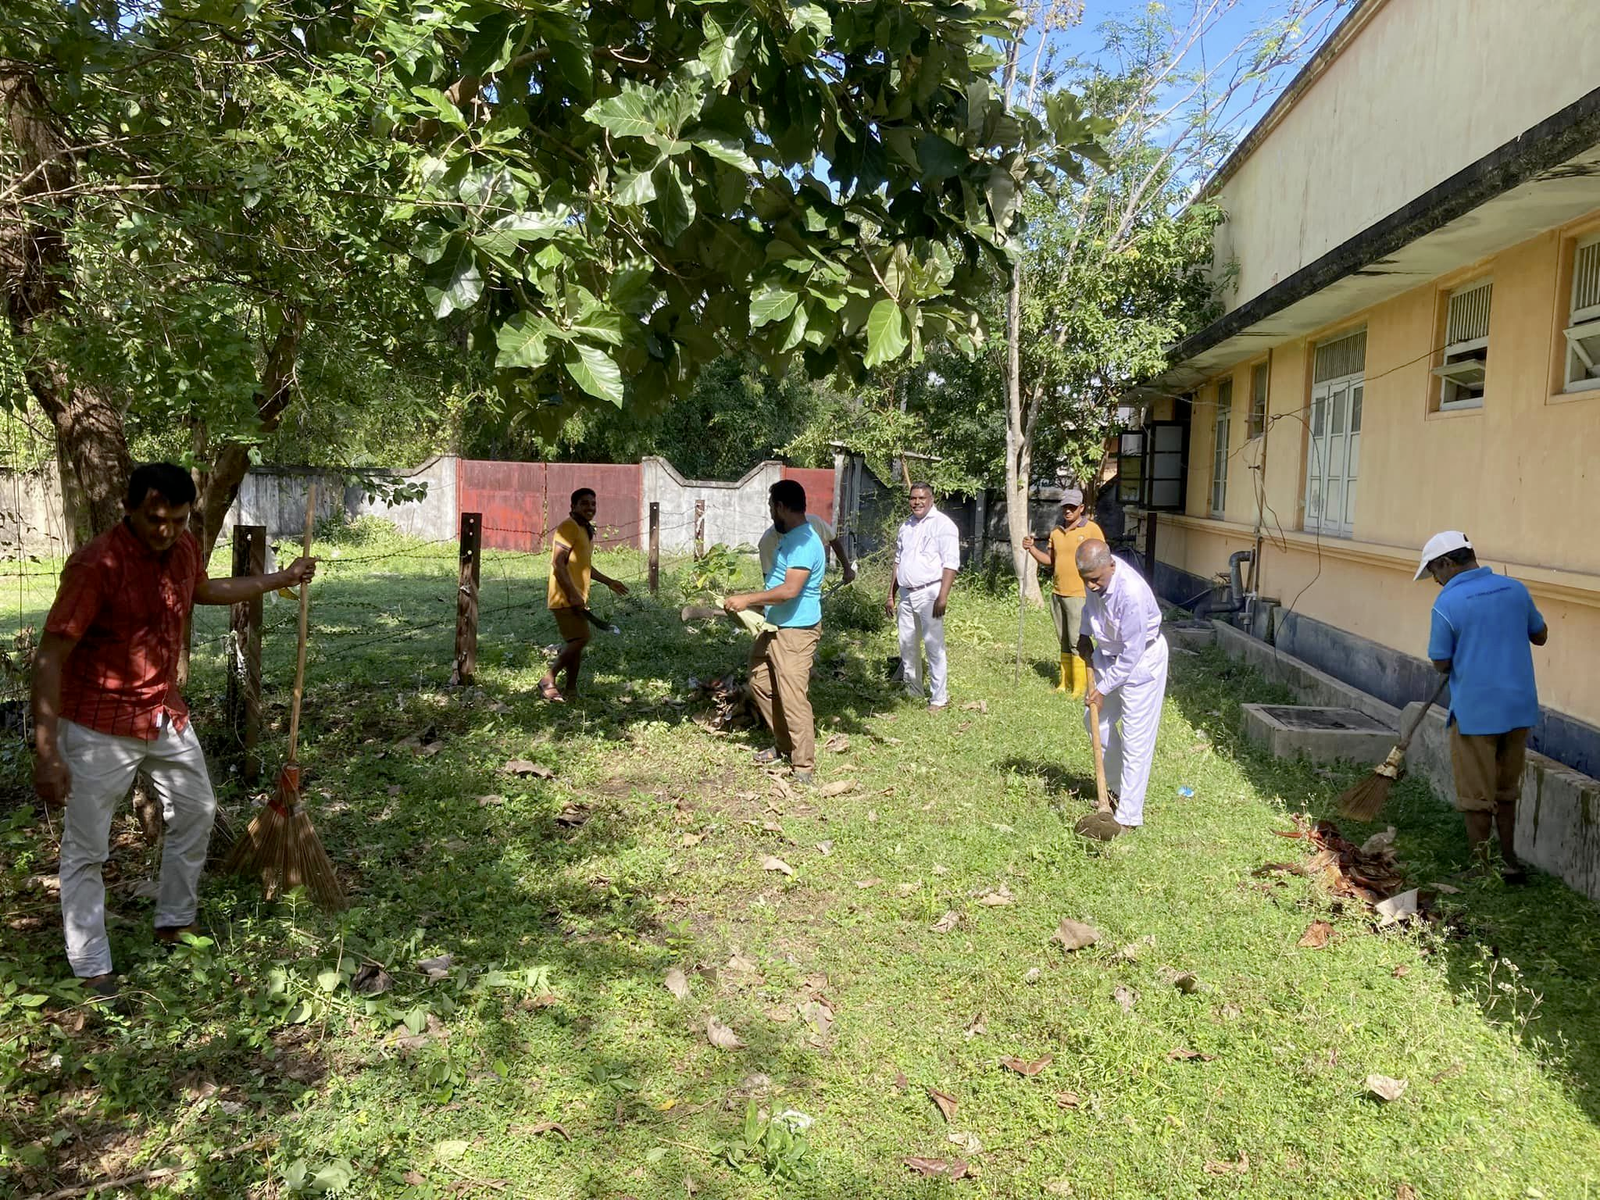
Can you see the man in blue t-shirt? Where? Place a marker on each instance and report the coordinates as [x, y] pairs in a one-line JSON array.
[[780, 662], [1483, 627]]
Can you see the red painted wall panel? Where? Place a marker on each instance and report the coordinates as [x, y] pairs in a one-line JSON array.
[[522, 502], [818, 484]]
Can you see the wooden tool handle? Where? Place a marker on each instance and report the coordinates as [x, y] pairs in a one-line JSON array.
[[1405, 739], [305, 620], [1102, 796]]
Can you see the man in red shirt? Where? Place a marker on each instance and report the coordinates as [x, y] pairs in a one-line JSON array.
[[106, 705]]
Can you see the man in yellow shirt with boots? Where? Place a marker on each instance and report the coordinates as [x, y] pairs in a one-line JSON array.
[[1066, 604]]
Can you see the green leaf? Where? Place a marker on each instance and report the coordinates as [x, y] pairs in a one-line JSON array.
[[505, 234], [438, 106], [600, 324], [595, 372], [628, 113], [523, 341], [334, 1177], [675, 202], [939, 157], [1002, 193], [886, 333], [329, 981], [771, 303], [634, 188], [725, 52], [31, 1000], [726, 149], [453, 283]]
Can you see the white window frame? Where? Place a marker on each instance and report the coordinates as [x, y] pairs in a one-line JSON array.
[[1466, 359], [1259, 402], [1222, 429], [1335, 457], [1581, 369]]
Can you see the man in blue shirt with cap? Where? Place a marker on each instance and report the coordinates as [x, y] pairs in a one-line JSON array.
[[1483, 627]]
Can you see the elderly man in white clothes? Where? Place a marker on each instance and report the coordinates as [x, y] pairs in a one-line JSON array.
[[1129, 654], [927, 555]]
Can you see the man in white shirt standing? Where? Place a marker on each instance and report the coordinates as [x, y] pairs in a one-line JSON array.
[[1122, 633], [927, 555]]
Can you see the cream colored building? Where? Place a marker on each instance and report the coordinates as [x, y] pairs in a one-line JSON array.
[[1411, 343]]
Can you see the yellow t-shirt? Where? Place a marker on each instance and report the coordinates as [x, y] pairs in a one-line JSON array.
[[569, 533], [1064, 545]]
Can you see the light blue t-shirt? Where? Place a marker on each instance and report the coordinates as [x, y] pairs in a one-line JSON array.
[[800, 547], [1482, 623]]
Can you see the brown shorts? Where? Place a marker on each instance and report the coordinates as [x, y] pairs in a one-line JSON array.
[[574, 626], [1488, 768]]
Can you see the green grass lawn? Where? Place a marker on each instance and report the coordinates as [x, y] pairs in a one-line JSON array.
[[910, 949]]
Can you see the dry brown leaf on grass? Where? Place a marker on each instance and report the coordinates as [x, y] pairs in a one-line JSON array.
[[772, 862], [1184, 1054], [1221, 1167], [1316, 936], [1405, 1192], [1075, 935], [720, 1036], [938, 1168], [945, 1101], [998, 897], [977, 706], [1126, 997], [864, 884], [1186, 982], [739, 964], [967, 1142], [436, 968], [691, 839], [838, 787], [837, 744], [905, 889], [545, 1127], [677, 983], [521, 766], [1068, 1100], [824, 848], [491, 801], [1029, 1069], [947, 922], [1401, 971], [1384, 1088]]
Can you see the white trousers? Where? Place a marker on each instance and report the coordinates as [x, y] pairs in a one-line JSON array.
[[914, 613], [103, 767], [1130, 717]]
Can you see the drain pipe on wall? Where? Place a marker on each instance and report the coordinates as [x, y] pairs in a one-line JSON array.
[[1238, 599]]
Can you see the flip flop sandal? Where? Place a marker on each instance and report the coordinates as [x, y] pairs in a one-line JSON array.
[[552, 693]]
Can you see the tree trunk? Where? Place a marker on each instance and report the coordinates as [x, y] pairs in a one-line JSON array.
[[219, 483], [1019, 445], [35, 270]]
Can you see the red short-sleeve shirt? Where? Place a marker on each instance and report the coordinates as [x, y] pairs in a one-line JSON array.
[[125, 606]]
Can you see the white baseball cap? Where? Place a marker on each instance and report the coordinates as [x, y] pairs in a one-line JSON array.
[[1438, 545]]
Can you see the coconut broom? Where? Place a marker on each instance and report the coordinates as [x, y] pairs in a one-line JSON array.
[[1366, 799], [281, 846]]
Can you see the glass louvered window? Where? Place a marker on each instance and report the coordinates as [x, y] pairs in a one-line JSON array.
[[1219, 453], [1583, 324], [1258, 400], [1465, 368], [1333, 447]]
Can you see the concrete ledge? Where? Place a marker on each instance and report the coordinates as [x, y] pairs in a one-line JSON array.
[[1191, 635], [1558, 817], [1310, 685], [1349, 735]]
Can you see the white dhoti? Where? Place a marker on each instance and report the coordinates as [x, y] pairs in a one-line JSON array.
[[914, 615], [1130, 716]]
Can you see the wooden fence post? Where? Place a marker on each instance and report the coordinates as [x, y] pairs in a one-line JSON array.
[[699, 529], [244, 673], [467, 600], [655, 547]]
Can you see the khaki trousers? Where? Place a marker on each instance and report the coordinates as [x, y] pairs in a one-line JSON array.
[[1488, 768], [780, 681]]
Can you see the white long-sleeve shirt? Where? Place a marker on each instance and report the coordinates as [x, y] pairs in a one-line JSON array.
[[924, 550], [1125, 622]]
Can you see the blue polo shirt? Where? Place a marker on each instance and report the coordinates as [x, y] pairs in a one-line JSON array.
[[800, 547], [1482, 623]]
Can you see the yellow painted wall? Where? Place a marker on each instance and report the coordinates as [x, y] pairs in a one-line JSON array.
[[1521, 475], [1424, 89]]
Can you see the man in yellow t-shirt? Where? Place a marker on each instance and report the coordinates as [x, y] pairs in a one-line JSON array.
[[1066, 604], [567, 596]]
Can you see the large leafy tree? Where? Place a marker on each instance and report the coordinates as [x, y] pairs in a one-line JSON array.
[[623, 191]]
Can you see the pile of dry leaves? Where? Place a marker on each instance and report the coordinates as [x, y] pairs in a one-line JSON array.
[[1366, 872], [731, 707]]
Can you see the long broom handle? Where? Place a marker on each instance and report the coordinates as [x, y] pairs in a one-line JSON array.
[[1405, 740], [305, 620]]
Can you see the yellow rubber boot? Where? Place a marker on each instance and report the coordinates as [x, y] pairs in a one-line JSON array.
[[1066, 674], [1080, 677]]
